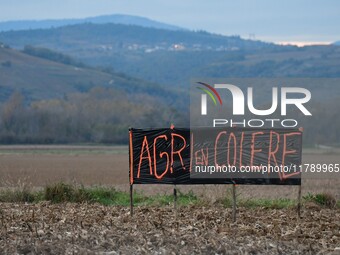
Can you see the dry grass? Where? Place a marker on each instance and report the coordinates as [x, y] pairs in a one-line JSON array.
[[39, 166], [89, 166]]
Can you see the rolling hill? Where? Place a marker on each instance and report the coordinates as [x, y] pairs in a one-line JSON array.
[[38, 78], [44, 101], [174, 57], [117, 38], [138, 50]]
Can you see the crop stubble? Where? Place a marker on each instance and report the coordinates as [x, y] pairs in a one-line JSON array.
[[91, 228]]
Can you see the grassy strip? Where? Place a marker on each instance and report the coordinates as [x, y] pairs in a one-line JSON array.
[[62, 192], [109, 196]]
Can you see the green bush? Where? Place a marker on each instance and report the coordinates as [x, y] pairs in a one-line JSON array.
[[62, 192], [323, 199]]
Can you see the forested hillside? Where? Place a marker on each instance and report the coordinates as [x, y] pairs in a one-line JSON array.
[[174, 57], [44, 101]]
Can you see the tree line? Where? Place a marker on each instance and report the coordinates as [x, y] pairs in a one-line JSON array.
[[100, 116], [104, 115]]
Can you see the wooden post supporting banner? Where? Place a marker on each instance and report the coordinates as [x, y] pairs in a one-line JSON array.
[[234, 202], [299, 202], [131, 199], [131, 170]]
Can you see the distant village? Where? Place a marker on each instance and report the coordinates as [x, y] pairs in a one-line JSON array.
[[147, 48]]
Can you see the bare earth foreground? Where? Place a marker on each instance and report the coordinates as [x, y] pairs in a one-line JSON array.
[[95, 229]]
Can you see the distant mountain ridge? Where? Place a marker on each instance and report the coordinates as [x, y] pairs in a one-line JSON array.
[[120, 37], [172, 58], [115, 18]]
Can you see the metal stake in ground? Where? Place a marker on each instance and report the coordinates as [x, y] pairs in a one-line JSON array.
[[300, 186], [234, 202], [299, 202], [175, 200]]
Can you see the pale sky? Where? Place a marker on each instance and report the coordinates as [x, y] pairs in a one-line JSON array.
[[270, 20]]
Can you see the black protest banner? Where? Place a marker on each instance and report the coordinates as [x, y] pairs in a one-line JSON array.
[[215, 156]]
